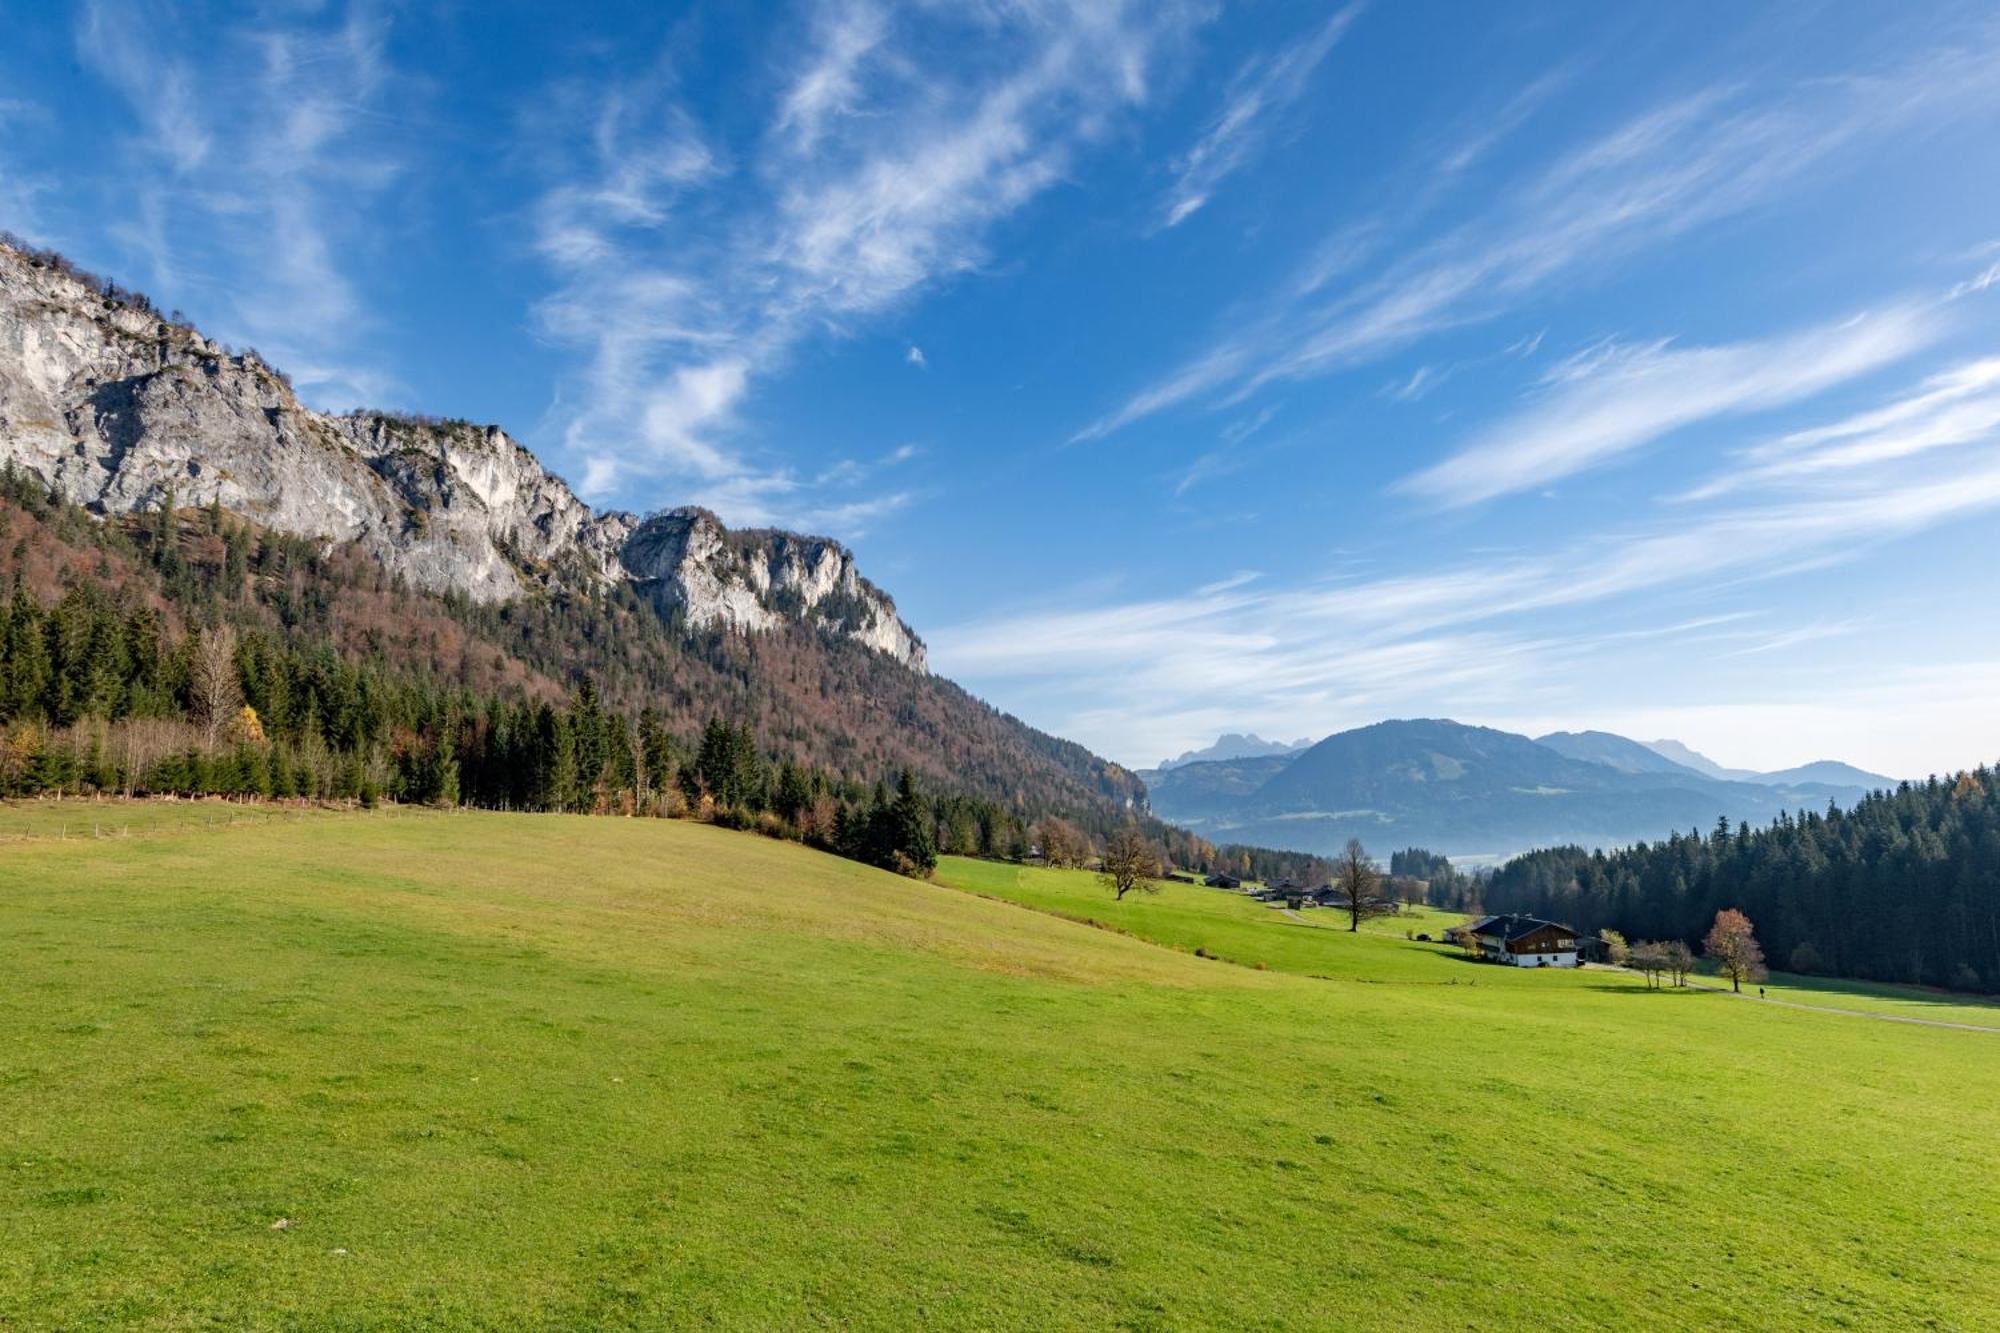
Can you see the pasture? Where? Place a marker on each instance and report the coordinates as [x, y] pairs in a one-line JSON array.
[[537, 1071]]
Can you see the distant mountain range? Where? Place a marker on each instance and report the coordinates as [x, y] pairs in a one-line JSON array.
[[1478, 793], [1830, 771], [1237, 745]]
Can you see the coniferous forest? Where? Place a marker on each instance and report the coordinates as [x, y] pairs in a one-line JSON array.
[[1905, 887], [189, 653]]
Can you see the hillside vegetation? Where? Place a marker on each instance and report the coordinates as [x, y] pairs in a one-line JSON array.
[[1904, 887], [1469, 792], [355, 675], [541, 1071]]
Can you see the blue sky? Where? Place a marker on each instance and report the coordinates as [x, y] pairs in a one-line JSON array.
[[1179, 367]]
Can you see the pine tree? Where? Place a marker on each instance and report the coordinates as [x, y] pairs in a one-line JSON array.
[[913, 834]]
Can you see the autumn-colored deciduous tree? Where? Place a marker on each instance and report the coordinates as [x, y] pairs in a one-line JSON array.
[[246, 728], [1616, 950], [1062, 843], [1732, 943], [1130, 861]]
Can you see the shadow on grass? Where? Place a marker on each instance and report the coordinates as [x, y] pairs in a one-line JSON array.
[[1634, 988], [1802, 985]]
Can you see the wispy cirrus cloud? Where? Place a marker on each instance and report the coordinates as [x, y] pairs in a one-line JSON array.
[[257, 153], [876, 175], [1686, 163], [1953, 409], [1488, 634], [1614, 399], [21, 190], [1258, 95]]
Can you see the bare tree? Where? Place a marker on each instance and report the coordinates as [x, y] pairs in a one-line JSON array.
[[1732, 943], [1357, 886], [212, 686], [1679, 960], [1062, 843], [1130, 861], [1649, 959]]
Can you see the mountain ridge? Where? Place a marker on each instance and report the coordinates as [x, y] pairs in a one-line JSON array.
[[1235, 745], [1828, 772], [1466, 791], [151, 471], [123, 411]]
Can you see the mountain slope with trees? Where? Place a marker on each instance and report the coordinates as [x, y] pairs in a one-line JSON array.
[[1464, 791], [1903, 887]]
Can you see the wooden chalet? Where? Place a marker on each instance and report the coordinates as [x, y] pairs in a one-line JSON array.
[[1525, 941]]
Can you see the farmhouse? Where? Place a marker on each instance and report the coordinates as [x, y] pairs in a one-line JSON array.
[[1524, 941]]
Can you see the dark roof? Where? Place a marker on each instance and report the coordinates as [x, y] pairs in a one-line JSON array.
[[1512, 926]]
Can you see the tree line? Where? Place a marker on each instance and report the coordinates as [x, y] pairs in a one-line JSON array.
[[1904, 887], [189, 653]]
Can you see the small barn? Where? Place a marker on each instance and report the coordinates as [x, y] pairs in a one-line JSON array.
[[1525, 941], [1224, 882]]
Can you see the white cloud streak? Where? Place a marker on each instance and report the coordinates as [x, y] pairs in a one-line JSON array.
[[1479, 637], [1956, 408], [878, 175], [1619, 400], [257, 152], [1261, 91], [1684, 164]]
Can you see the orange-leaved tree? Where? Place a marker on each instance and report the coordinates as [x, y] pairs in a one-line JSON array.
[[1732, 943]]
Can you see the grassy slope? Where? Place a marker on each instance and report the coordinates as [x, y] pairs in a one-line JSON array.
[[1241, 930], [507, 1071], [1871, 997]]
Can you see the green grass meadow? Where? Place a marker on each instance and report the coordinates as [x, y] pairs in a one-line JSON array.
[[549, 1072]]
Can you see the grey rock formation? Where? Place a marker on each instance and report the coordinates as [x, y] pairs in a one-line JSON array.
[[687, 561], [120, 409]]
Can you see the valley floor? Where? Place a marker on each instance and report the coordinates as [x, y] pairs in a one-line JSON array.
[[499, 1071]]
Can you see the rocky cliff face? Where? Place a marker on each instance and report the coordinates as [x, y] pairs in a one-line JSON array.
[[688, 562], [119, 410]]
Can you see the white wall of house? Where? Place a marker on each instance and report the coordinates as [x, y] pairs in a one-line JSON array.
[[1565, 958]]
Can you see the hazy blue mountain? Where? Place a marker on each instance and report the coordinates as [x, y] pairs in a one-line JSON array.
[[1827, 773], [1236, 745], [1821, 772], [1209, 779], [1627, 756], [1699, 762], [1470, 792]]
